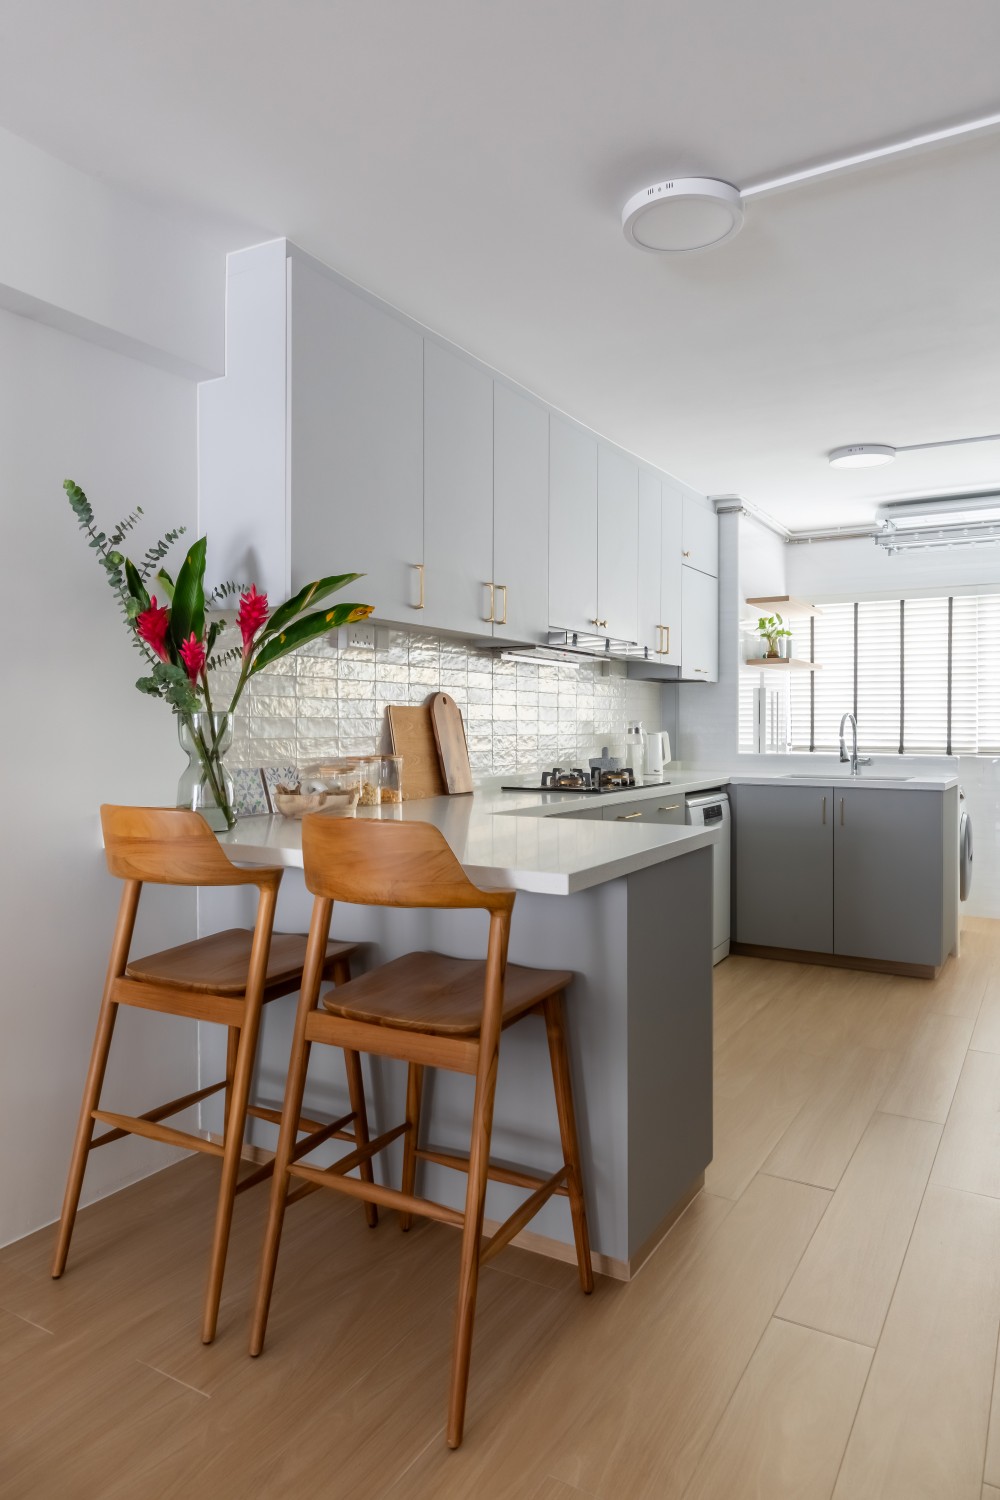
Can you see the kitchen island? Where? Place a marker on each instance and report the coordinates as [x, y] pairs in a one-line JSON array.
[[629, 910]]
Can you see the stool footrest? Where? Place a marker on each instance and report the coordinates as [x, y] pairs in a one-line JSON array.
[[316, 1138], [162, 1112], [136, 1125], [521, 1217], [373, 1192], [495, 1171]]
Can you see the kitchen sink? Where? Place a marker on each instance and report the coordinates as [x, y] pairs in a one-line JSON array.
[[823, 776]]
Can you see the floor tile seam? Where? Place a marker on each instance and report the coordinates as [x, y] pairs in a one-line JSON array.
[[895, 1289]]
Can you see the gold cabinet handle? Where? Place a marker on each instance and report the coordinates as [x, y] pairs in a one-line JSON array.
[[823, 818], [664, 650], [626, 817], [601, 624], [672, 808], [420, 570], [659, 640], [503, 589], [491, 618], [685, 554], [841, 812]]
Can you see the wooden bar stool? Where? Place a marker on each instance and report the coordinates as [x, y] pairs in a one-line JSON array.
[[226, 978], [429, 1011]]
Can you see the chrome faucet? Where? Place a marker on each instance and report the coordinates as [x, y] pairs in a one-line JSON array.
[[855, 759]]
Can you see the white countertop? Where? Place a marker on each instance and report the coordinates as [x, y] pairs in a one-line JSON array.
[[867, 779], [512, 839]]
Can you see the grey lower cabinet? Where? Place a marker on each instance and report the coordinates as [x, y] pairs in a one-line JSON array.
[[783, 866], [864, 873], [889, 875], [662, 809]]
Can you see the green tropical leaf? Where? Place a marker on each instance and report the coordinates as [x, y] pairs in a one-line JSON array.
[[312, 592], [136, 587], [166, 583], [306, 629], [188, 614]]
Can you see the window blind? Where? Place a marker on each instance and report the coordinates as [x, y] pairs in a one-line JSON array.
[[922, 675]]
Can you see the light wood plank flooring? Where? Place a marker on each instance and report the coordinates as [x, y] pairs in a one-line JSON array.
[[821, 1324]]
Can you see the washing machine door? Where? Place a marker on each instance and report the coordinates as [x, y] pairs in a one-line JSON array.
[[964, 856]]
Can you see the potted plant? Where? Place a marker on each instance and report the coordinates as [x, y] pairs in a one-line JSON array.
[[770, 629], [178, 639]]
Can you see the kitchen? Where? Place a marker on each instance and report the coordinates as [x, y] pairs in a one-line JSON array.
[[781, 1198]]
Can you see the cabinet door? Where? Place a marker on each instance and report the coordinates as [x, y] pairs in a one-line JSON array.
[[650, 549], [355, 422], [783, 848], [699, 626], [662, 809], [889, 864], [671, 577], [572, 527], [520, 516], [458, 492], [700, 548], [617, 543]]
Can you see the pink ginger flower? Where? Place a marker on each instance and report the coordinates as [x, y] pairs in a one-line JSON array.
[[152, 626], [192, 654]]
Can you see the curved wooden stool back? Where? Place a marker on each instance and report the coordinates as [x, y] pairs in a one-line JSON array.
[[173, 846], [412, 865]]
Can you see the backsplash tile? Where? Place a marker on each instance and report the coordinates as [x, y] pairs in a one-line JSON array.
[[518, 715]]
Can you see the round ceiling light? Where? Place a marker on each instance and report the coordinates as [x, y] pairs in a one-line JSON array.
[[862, 456], [685, 213]]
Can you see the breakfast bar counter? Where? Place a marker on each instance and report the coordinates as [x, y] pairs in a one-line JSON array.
[[629, 911]]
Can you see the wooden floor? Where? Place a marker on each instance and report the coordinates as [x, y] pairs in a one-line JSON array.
[[821, 1322]]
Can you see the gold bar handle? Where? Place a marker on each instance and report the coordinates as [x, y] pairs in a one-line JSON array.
[[420, 602], [672, 808], [626, 817], [664, 636], [659, 640], [503, 589], [491, 618]]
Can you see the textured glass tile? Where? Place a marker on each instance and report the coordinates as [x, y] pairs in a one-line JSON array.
[[356, 697], [318, 687], [318, 666], [424, 652], [393, 672], [267, 751], [271, 708], [424, 676], [318, 708], [505, 696], [361, 669]]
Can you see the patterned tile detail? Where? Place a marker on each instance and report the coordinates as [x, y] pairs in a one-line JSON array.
[[321, 702]]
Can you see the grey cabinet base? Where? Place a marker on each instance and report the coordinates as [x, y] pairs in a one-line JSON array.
[[838, 961]]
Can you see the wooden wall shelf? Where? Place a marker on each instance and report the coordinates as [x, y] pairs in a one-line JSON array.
[[786, 606], [793, 663]]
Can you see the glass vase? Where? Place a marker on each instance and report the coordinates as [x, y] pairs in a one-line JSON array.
[[206, 785]]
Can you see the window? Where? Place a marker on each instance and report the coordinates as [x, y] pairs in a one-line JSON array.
[[921, 675]]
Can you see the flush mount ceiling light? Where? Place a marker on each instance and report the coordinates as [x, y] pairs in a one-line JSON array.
[[870, 455], [682, 214]]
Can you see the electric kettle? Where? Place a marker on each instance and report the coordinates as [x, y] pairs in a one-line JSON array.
[[657, 751]]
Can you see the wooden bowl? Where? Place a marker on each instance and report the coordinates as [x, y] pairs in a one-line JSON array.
[[298, 804]]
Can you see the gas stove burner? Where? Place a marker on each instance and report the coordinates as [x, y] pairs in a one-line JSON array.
[[595, 781], [566, 781]]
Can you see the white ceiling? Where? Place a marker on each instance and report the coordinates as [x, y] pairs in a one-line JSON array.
[[468, 161]]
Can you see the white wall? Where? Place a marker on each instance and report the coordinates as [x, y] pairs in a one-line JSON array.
[[94, 261], [73, 733]]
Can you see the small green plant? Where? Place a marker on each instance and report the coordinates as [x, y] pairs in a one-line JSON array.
[[770, 628]]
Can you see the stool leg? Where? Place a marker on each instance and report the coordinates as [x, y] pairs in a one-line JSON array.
[[124, 927], [356, 1089], [238, 1098], [556, 1032], [84, 1132], [472, 1234], [232, 1047], [414, 1089]]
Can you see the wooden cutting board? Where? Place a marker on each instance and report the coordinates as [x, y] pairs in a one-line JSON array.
[[412, 737], [453, 749]]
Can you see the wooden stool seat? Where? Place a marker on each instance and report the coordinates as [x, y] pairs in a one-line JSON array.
[[438, 995], [220, 964]]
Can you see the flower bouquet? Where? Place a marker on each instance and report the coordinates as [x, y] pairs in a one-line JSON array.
[[179, 639]]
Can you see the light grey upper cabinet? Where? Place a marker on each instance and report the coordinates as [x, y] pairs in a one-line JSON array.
[[355, 414], [650, 634], [671, 578], [699, 626], [458, 492], [700, 545], [520, 516], [617, 543], [783, 863], [889, 869], [572, 527]]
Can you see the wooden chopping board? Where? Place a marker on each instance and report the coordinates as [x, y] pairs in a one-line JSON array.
[[412, 737], [453, 749]]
